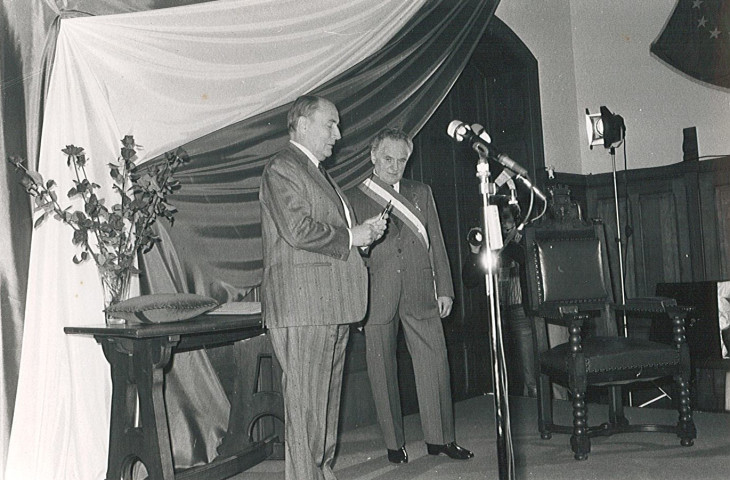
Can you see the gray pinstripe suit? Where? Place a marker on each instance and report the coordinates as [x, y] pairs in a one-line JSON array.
[[313, 285], [402, 281]]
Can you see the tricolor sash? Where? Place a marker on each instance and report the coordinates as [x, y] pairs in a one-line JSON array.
[[382, 193]]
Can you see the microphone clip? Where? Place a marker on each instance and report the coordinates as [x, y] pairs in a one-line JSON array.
[[481, 150]]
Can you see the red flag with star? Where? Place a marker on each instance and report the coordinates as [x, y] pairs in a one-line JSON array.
[[696, 40]]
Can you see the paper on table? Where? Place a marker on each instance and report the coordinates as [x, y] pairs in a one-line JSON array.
[[236, 308]]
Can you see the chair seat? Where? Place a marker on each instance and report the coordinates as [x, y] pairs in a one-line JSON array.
[[614, 354]]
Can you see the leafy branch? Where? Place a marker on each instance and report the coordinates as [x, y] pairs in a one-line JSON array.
[[110, 235]]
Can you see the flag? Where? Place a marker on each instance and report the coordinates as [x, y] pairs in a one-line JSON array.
[[696, 40]]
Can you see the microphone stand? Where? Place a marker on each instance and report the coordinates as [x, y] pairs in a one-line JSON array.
[[505, 454]]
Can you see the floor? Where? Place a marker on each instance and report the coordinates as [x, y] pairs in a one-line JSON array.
[[361, 454]]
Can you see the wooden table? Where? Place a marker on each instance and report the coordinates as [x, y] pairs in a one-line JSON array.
[[138, 355]]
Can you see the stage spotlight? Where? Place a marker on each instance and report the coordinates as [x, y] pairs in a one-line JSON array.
[[605, 128]]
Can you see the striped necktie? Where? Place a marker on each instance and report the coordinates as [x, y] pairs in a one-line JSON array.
[[340, 204], [327, 177]]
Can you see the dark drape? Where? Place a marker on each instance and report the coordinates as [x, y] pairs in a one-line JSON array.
[[214, 247], [696, 41]]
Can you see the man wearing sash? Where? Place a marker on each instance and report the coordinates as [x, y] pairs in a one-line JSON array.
[[410, 285]]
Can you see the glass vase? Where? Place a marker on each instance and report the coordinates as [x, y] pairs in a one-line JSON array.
[[115, 286]]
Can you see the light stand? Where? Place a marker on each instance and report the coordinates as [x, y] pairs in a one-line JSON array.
[[492, 241], [609, 130], [619, 242]]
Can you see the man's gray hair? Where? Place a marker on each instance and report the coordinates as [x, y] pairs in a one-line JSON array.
[[303, 106], [393, 134]]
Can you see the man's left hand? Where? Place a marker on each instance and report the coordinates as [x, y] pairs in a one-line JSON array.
[[445, 304]]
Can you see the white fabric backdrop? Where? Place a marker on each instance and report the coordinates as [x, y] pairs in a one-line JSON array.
[[167, 77]]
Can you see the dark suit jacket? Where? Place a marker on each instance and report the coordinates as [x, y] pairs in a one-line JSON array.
[[311, 275], [401, 269]]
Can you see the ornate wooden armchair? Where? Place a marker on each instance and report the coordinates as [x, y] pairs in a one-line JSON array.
[[569, 284]]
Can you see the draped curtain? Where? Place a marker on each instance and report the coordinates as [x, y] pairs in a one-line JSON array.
[[151, 74], [401, 85]]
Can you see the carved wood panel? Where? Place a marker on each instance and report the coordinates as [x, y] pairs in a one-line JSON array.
[[722, 209], [678, 217]]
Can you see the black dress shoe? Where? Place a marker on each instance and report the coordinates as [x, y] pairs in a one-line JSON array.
[[398, 456], [451, 449]]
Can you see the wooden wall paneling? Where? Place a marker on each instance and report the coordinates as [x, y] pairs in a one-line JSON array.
[[647, 241], [715, 216], [686, 227], [660, 247], [692, 187], [709, 227], [665, 223], [633, 255], [657, 237], [722, 207]]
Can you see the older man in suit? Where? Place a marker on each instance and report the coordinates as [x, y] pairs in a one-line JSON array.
[[314, 283], [410, 285]]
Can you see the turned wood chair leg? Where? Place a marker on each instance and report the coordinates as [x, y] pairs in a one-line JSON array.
[[580, 442], [686, 429]]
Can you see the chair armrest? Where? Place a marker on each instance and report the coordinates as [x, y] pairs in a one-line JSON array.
[[646, 305], [661, 305], [677, 315], [568, 315]]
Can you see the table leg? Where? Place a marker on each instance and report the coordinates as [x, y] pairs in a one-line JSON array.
[[137, 374]]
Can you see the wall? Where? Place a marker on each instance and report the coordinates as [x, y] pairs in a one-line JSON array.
[[608, 55], [544, 27]]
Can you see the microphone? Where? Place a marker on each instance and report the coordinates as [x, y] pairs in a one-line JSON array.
[[507, 176], [512, 192], [481, 133], [501, 158], [459, 131], [477, 136], [504, 177]]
